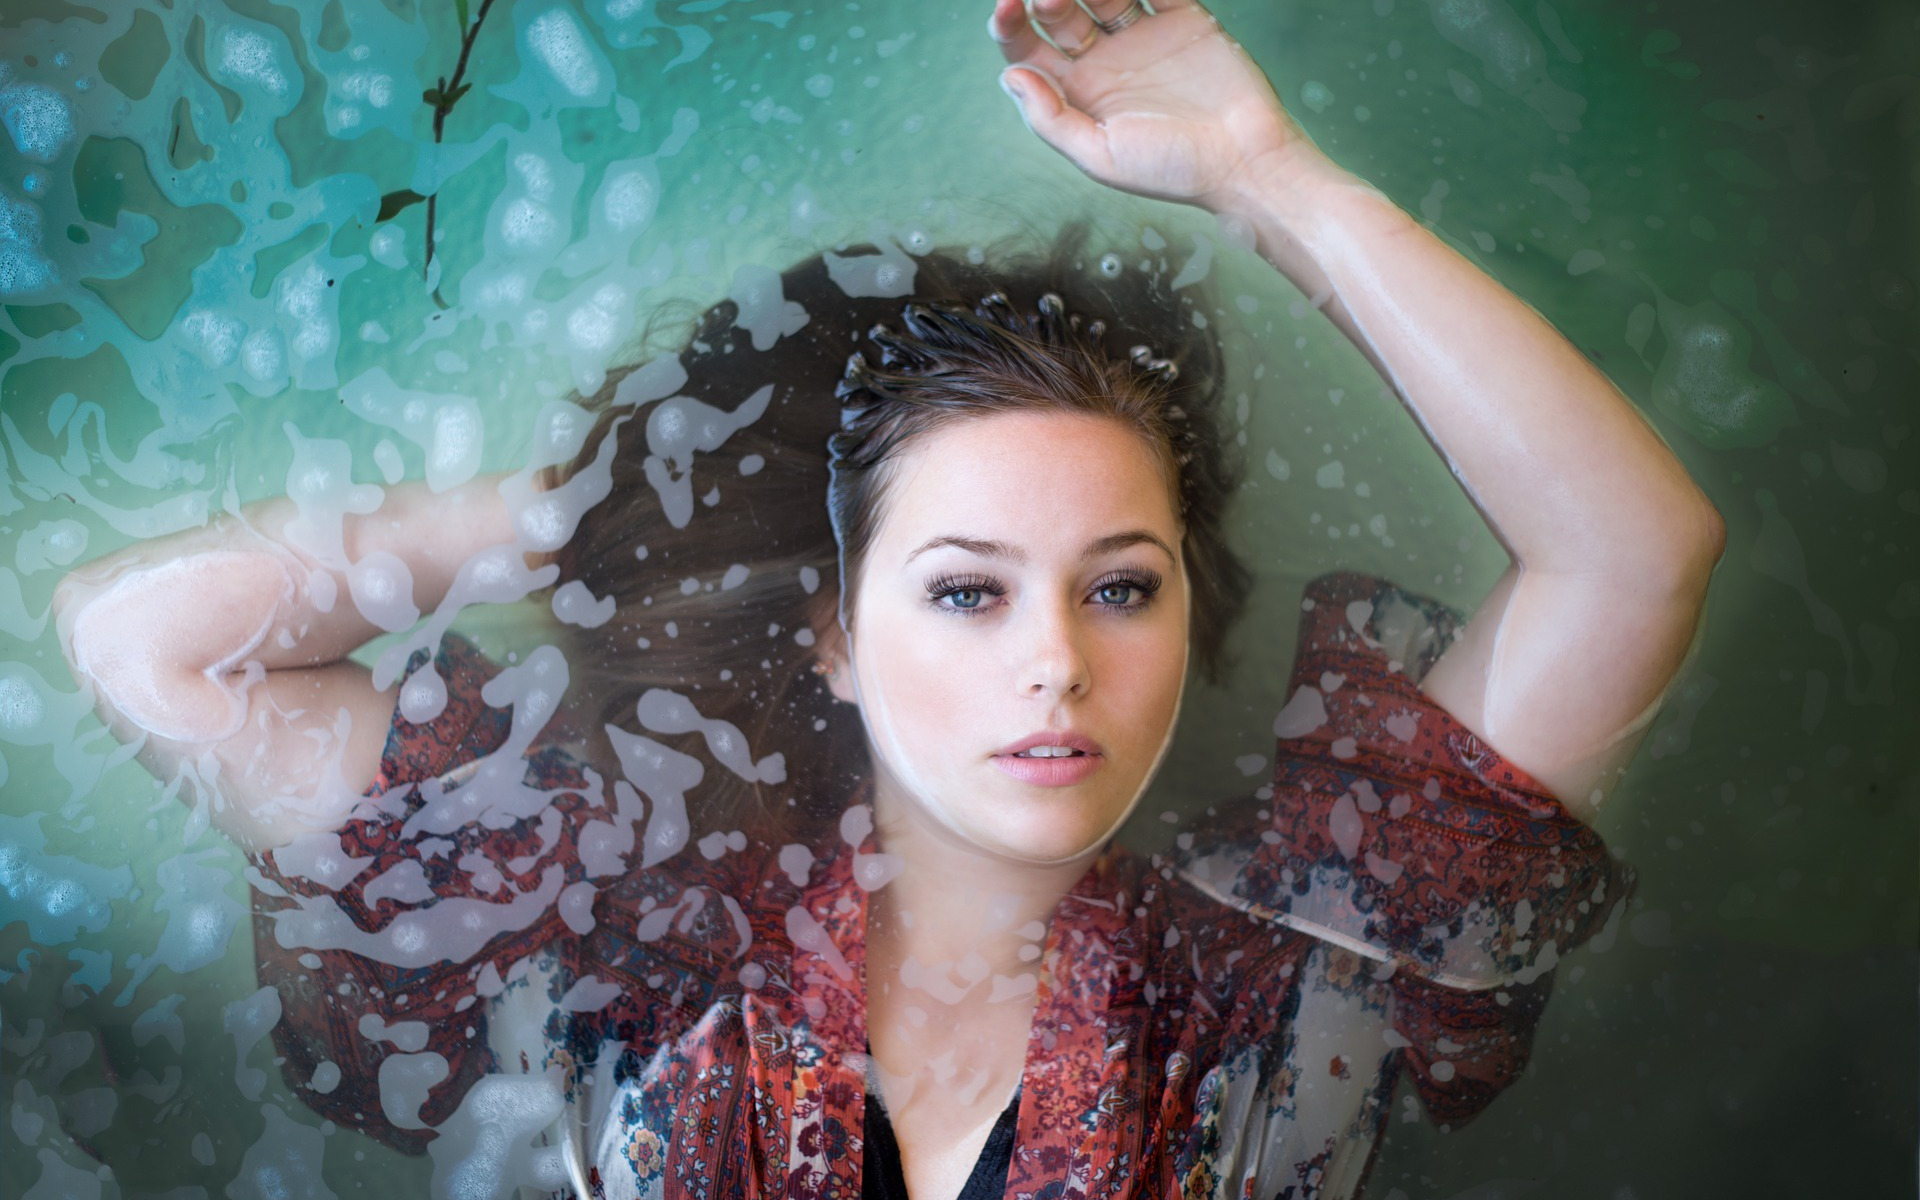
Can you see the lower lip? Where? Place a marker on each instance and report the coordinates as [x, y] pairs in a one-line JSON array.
[[1049, 772]]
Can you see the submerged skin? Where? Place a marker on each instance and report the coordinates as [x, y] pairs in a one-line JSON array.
[[115, 647], [168, 635], [957, 651], [1612, 544], [945, 681], [1559, 668]]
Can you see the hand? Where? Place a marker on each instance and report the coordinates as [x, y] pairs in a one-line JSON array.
[[1170, 107]]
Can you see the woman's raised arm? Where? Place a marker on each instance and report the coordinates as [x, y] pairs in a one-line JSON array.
[[223, 649], [1612, 543]]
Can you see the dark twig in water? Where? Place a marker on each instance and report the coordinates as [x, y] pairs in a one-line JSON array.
[[443, 98]]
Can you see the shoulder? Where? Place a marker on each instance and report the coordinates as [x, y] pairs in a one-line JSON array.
[[1390, 827]]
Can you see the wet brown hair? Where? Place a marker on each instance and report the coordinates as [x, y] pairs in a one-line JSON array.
[[720, 599]]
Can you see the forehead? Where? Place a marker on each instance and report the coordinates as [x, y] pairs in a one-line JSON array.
[[1039, 477]]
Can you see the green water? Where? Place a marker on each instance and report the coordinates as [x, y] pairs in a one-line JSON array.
[[1713, 200]]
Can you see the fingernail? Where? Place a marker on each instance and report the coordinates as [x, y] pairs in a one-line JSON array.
[[1017, 91]]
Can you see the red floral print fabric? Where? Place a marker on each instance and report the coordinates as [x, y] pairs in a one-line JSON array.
[[1233, 1022]]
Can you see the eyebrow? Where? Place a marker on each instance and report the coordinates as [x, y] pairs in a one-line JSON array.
[[988, 548]]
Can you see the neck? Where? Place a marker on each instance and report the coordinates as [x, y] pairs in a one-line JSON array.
[[955, 919]]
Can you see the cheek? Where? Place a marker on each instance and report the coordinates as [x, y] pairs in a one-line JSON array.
[[1147, 676], [908, 670]]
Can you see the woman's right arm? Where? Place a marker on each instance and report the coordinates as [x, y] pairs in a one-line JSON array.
[[223, 650]]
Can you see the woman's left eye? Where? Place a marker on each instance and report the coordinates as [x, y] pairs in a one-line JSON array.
[[1125, 593]]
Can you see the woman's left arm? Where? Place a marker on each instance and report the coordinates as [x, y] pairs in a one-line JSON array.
[[1612, 543]]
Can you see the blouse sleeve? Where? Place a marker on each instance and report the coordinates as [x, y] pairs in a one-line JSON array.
[[1394, 832], [382, 937]]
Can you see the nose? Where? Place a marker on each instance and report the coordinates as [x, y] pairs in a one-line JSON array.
[[1054, 662]]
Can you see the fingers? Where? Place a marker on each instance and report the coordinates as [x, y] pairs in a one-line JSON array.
[[1066, 25], [1046, 33], [1060, 125], [1106, 12], [1019, 41]]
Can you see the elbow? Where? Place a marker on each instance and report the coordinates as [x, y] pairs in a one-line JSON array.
[[1668, 549], [68, 598], [1708, 544], [1694, 541]]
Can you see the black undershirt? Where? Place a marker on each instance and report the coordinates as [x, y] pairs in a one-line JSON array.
[[882, 1176]]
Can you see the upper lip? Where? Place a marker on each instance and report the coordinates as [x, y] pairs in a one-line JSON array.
[[1072, 741]]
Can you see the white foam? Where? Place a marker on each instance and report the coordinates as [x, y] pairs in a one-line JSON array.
[[504, 291], [249, 57], [764, 311], [889, 273], [215, 335], [303, 298], [201, 916], [264, 354], [575, 605], [598, 323], [285, 1162], [20, 706], [39, 119], [557, 41], [485, 1149], [388, 245], [320, 484], [382, 589], [22, 268], [408, 1036], [676, 430], [453, 454], [629, 199], [405, 1081], [662, 711], [527, 226], [248, 1021], [424, 696]]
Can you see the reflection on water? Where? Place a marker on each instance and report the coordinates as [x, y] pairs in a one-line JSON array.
[[219, 286]]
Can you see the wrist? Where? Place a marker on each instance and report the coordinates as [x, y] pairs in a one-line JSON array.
[[1281, 191]]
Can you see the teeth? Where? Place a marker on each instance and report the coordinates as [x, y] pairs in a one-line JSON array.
[[1047, 752]]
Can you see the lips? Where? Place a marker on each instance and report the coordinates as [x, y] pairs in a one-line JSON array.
[[1085, 758], [1067, 738]]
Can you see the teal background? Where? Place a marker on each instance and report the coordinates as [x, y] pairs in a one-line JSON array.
[[1714, 201]]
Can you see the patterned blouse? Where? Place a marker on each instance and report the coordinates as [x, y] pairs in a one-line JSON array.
[[505, 961]]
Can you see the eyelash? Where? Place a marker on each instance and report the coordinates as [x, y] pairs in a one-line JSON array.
[[1147, 583]]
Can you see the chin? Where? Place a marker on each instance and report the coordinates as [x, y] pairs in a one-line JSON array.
[[1046, 836]]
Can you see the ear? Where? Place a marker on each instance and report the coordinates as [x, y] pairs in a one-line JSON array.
[[833, 651], [830, 647]]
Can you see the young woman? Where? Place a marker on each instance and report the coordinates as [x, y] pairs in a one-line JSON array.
[[791, 870]]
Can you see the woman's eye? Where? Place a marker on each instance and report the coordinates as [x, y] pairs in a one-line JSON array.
[[1127, 593], [962, 595]]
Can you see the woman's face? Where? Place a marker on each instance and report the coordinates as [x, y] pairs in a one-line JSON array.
[[1023, 593]]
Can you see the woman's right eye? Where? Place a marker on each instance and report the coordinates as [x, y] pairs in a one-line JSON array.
[[967, 596]]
